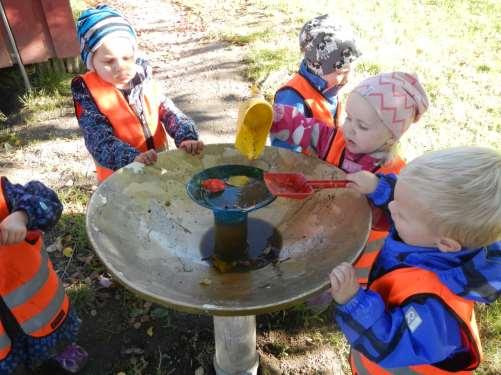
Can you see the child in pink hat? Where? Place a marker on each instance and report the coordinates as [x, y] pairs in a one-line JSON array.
[[378, 112]]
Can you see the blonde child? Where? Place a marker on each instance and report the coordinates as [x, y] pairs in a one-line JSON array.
[[442, 255], [378, 112], [119, 106], [329, 50], [36, 318]]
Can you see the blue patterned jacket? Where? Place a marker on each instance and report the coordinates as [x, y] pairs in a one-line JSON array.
[[105, 148], [41, 204]]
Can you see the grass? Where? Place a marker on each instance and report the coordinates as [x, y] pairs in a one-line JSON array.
[[489, 319], [453, 47]]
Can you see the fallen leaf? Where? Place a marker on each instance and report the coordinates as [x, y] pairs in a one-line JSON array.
[[56, 246], [205, 282], [68, 252], [149, 332], [104, 281]]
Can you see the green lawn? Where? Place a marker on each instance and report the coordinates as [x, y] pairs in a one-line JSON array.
[[453, 47]]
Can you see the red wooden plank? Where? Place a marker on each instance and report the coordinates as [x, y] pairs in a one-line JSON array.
[[61, 27], [30, 30]]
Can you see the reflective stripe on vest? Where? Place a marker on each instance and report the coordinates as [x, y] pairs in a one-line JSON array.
[[371, 250], [376, 239], [360, 365], [319, 106], [27, 290], [30, 287], [126, 125], [357, 364], [395, 289]]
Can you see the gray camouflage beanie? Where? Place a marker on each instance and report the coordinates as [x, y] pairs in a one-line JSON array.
[[327, 45]]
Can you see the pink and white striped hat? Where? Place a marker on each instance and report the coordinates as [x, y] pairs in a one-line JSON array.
[[397, 97]]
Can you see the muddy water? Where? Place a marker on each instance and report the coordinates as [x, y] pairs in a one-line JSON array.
[[241, 247], [238, 197]]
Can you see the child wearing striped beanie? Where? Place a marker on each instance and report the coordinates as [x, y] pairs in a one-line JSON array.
[[120, 108]]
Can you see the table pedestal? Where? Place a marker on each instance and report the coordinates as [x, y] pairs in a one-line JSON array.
[[235, 338]]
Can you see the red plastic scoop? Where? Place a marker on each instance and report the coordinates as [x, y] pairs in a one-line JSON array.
[[296, 186], [213, 185]]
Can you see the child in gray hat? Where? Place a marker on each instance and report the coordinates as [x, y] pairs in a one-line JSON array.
[[329, 49]]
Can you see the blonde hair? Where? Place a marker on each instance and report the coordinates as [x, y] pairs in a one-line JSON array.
[[460, 188]]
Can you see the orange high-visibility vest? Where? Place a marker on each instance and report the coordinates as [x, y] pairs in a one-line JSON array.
[[395, 288], [126, 125], [376, 237], [30, 287], [315, 101]]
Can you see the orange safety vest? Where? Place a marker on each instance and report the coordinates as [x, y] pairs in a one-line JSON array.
[[376, 237], [395, 288], [126, 125], [29, 287], [316, 102]]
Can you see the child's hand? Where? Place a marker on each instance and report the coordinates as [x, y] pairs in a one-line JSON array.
[[364, 182], [344, 284], [192, 147], [148, 157], [13, 228]]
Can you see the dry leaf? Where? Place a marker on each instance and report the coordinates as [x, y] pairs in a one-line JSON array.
[[68, 252], [205, 282], [56, 246], [149, 332], [104, 281]]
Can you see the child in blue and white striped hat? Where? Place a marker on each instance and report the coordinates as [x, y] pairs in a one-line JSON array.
[[120, 109]]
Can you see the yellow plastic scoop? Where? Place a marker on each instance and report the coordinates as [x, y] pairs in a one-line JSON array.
[[254, 122]]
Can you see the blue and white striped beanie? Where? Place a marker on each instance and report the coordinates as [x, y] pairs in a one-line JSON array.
[[97, 24]]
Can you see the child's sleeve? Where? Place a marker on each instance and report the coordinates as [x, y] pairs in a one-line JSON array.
[[179, 126], [41, 204], [421, 331], [292, 127], [383, 194], [104, 147]]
